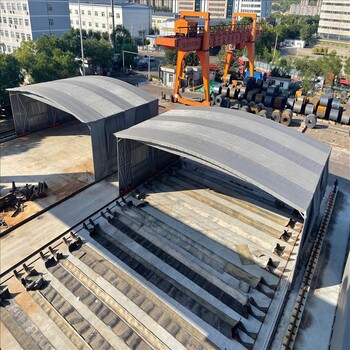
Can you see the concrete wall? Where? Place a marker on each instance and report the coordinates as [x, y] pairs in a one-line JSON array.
[[341, 328]]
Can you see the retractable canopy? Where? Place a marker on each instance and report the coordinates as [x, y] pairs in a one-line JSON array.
[[279, 160], [105, 104]]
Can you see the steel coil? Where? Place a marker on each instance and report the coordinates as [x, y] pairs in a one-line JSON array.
[[217, 89], [335, 103], [321, 112], [324, 100], [268, 101], [272, 90], [226, 103], [310, 121], [315, 101], [286, 117], [266, 84], [251, 104], [334, 114], [255, 109], [232, 92], [218, 100], [225, 91], [298, 106], [227, 78], [212, 99], [260, 83], [237, 92], [263, 113], [261, 106], [290, 102], [245, 109], [251, 95], [309, 109], [345, 119], [276, 115], [279, 102], [259, 98]]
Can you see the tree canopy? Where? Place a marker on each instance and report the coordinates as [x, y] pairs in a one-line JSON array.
[[10, 76]]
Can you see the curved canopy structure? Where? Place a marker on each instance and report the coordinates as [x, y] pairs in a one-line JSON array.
[[105, 104], [286, 164]]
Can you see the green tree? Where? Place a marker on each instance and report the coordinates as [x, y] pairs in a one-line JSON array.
[[333, 53], [192, 59], [10, 76], [347, 67], [99, 52], [170, 57], [306, 33], [129, 59], [44, 59]]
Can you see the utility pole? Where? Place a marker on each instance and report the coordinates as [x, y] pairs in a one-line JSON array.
[[113, 26], [81, 40]]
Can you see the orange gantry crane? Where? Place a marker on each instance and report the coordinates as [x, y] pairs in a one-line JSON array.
[[190, 37]]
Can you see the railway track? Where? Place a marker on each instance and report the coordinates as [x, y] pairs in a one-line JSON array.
[[299, 306]]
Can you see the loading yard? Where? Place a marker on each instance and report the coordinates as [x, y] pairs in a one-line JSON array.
[[60, 156]]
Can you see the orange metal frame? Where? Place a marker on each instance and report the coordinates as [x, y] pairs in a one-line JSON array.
[[236, 35]]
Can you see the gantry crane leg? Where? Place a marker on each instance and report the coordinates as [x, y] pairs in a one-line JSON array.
[[228, 59], [204, 60], [251, 54]]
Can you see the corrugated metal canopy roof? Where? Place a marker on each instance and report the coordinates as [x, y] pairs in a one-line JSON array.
[[277, 159], [88, 98]]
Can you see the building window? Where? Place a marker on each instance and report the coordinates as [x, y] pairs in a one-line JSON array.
[[19, 7], [82, 12], [20, 21], [4, 19], [96, 25], [49, 7], [17, 35], [28, 37], [51, 22], [90, 24], [6, 33], [8, 48], [103, 26], [83, 23], [8, 6], [25, 8], [10, 20], [2, 6], [76, 12], [117, 15], [26, 22], [12, 34], [23, 36], [15, 21], [96, 13], [2, 32], [103, 14], [13, 6], [77, 22], [109, 14], [89, 13], [110, 26]]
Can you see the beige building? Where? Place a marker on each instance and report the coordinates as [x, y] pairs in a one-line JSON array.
[[335, 20], [225, 8]]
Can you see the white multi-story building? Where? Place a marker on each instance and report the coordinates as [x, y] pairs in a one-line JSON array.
[[97, 16], [225, 8], [335, 20], [29, 19], [261, 7]]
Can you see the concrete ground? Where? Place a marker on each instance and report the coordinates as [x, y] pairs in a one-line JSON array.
[[36, 233], [60, 156]]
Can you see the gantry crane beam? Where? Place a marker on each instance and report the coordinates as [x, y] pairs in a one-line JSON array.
[[189, 37]]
